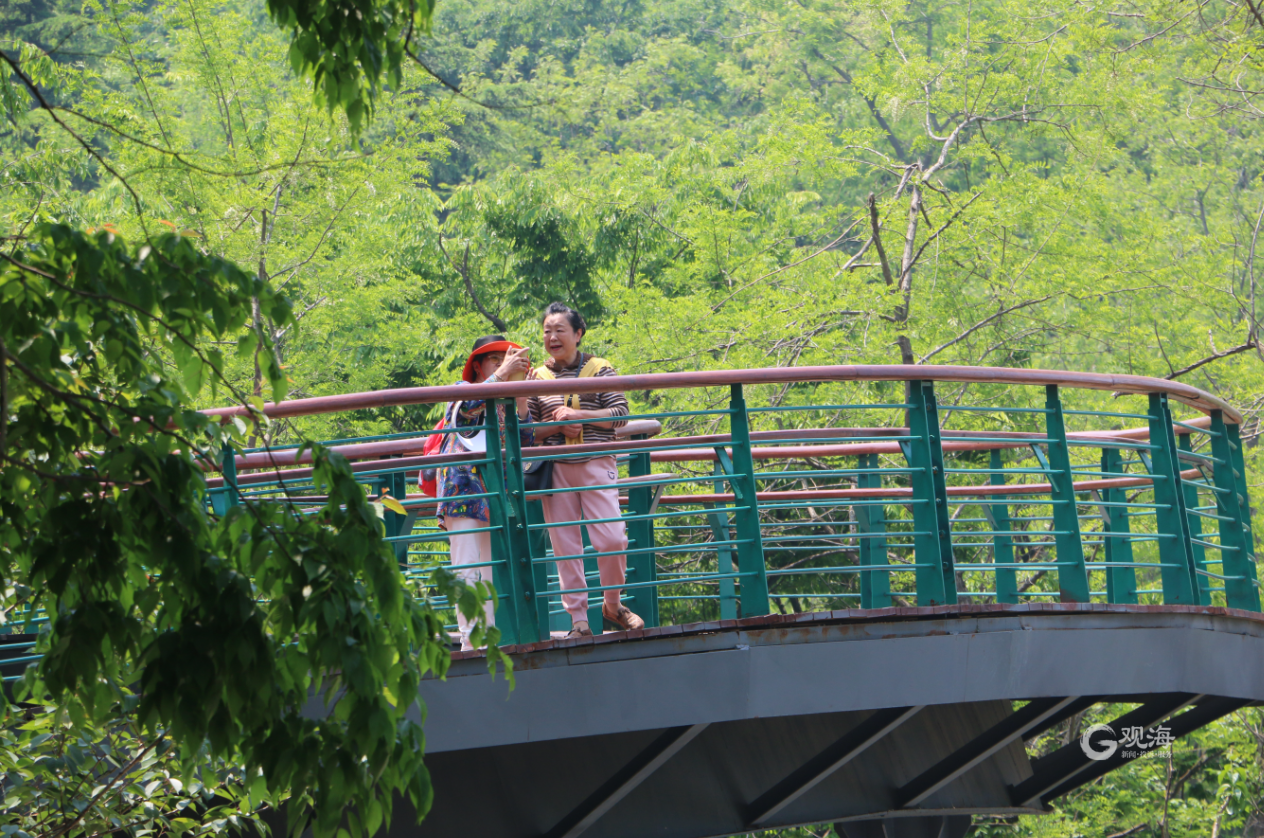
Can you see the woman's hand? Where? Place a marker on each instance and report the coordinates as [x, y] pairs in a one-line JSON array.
[[516, 361], [561, 414]]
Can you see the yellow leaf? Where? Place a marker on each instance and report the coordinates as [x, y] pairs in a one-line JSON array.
[[393, 505]]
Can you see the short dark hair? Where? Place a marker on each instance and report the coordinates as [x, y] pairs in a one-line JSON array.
[[572, 316]]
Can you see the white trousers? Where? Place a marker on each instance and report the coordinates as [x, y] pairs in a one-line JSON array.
[[471, 548]]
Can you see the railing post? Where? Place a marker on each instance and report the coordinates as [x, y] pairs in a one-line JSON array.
[[1195, 523], [1002, 545], [1121, 582], [228, 497], [1236, 541], [538, 543], [875, 585], [1171, 520], [516, 617], [1072, 574], [932, 546], [397, 483], [719, 521], [642, 566], [750, 548]]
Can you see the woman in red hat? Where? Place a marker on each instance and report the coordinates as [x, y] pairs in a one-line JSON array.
[[492, 359]]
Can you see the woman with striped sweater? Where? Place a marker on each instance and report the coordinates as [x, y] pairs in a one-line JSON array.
[[595, 416]]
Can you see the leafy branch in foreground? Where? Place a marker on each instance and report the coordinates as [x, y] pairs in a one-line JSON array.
[[65, 779], [228, 625], [346, 47]]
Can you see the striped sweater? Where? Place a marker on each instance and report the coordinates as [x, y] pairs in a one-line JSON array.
[[542, 407]]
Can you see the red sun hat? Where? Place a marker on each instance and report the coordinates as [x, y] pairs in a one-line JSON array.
[[482, 346]]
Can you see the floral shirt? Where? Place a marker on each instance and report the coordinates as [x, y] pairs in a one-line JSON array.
[[457, 480]]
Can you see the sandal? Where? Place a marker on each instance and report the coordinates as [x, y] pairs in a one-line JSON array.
[[624, 620], [580, 629]]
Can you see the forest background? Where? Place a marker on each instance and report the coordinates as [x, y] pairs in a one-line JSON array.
[[715, 184]]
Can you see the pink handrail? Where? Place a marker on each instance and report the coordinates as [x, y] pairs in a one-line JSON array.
[[1005, 440], [1134, 384]]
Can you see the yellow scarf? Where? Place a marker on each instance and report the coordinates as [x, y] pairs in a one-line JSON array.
[[592, 366]]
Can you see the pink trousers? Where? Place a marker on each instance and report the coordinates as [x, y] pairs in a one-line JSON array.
[[610, 537]]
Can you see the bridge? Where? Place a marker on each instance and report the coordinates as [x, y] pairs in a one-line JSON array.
[[866, 590], [869, 592]]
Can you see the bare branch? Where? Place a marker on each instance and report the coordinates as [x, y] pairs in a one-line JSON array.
[[1255, 12], [464, 271], [942, 228], [877, 240], [981, 324], [896, 145], [784, 268], [1162, 351], [1253, 343]]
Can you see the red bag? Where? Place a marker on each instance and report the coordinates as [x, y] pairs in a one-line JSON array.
[[428, 480]]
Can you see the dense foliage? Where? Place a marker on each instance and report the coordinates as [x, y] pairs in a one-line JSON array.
[[112, 336], [224, 623], [716, 183]]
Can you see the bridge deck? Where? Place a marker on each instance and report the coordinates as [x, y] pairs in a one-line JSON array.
[[719, 728]]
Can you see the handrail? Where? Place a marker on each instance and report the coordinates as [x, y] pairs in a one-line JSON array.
[[1132, 384], [1011, 489], [269, 462], [396, 447], [273, 461]]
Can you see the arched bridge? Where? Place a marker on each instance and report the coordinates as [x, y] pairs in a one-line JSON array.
[[866, 590]]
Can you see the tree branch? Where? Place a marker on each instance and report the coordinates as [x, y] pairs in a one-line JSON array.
[[981, 324], [463, 270], [772, 273], [1255, 12], [877, 240], [942, 228], [896, 145], [1253, 343], [47, 106]]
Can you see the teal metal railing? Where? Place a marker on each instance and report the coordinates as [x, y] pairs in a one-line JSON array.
[[772, 501], [808, 489]]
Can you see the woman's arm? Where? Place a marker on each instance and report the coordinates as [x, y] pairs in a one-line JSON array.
[[614, 405], [587, 416], [535, 410], [466, 412]]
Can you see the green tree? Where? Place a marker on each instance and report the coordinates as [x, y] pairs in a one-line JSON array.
[[108, 349], [77, 778], [228, 624]]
